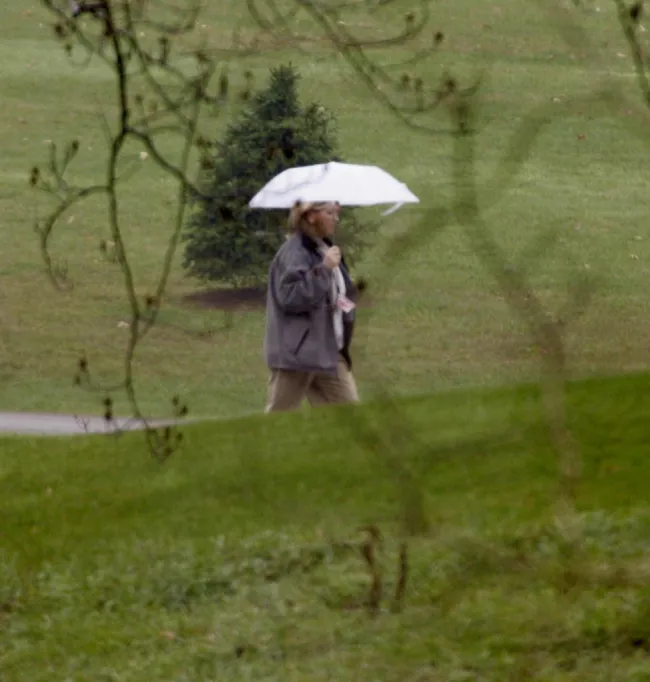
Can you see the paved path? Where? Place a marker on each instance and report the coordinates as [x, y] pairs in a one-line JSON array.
[[43, 424]]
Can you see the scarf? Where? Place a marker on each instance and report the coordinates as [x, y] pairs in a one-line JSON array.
[[337, 289]]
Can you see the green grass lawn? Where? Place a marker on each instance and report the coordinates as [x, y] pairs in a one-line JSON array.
[[239, 558], [437, 319]]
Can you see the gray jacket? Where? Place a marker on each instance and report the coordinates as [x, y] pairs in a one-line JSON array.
[[299, 326]]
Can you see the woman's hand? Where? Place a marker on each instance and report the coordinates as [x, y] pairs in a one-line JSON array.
[[332, 257]]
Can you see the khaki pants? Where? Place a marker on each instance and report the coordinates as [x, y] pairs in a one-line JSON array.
[[287, 389]]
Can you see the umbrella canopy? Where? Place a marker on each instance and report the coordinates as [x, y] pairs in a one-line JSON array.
[[346, 183]]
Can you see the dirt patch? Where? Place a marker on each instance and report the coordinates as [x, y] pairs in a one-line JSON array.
[[245, 298]]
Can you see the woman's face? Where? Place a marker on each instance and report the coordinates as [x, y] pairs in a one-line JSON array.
[[325, 219]]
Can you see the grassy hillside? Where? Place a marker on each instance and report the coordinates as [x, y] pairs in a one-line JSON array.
[[437, 320], [239, 558]]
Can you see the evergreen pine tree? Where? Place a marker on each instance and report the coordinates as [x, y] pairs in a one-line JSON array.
[[224, 239]]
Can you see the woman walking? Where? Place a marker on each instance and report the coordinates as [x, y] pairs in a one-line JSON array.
[[309, 314]]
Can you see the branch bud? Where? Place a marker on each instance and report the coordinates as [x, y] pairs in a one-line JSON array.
[[223, 86], [164, 49], [34, 176], [636, 11]]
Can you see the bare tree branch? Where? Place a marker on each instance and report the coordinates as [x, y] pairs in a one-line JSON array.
[[108, 28]]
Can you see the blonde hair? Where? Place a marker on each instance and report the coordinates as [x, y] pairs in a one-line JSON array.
[[298, 212]]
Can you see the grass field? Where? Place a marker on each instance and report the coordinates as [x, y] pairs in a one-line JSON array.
[[437, 318], [239, 559]]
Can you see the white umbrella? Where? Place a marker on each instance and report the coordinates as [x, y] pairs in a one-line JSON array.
[[346, 183]]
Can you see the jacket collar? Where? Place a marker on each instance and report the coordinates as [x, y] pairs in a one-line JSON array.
[[309, 244]]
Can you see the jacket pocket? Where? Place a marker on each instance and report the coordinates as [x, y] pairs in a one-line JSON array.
[[296, 333], [301, 340]]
